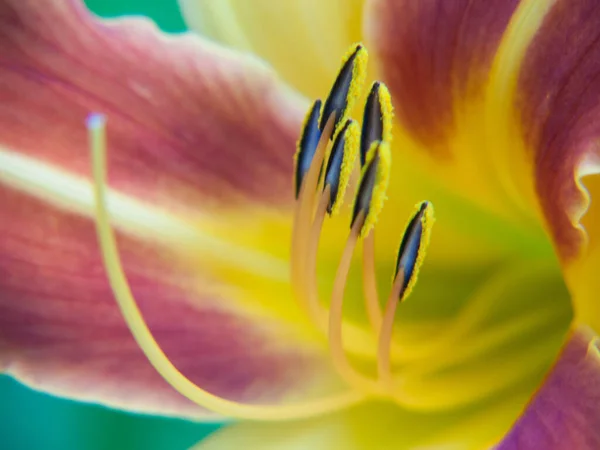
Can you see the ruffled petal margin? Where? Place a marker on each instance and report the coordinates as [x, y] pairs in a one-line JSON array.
[[565, 412], [504, 97], [559, 102]]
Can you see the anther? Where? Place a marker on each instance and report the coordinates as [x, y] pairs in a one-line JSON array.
[[410, 258], [373, 186], [340, 164], [412, 248], [346, 87], [307, 144], [377, 119]]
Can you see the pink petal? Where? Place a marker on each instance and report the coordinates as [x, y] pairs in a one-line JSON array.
[[565, 413], [559, 91], [431, 53], [188, 121], [61, 331]]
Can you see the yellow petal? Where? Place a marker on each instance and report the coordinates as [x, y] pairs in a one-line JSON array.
[[582, 273], [377, 426], [302, 39]]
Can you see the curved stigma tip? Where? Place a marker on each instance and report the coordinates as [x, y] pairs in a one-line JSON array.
[[95, 121]]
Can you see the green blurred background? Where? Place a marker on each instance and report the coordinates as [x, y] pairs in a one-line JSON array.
[[31, 420]]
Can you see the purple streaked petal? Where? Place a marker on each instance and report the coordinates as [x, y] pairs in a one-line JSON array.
[[565, 412], [433, 54], [190, 123], [61, 330]]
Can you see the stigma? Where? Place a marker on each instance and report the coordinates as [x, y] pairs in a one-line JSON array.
[[339, 163]]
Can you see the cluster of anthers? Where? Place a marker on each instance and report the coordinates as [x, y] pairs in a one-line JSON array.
[[327, 134], [330, 135]]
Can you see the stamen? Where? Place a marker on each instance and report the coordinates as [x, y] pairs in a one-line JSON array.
[[414, 245], [341, 160], [377, 126], [312, 291], [410, 258], [347, 86], [372, 305], [336, 345], [373, 186], [141, 332], [307, 145], [340, 164], [377, 119], [302, 220], [384, 364]]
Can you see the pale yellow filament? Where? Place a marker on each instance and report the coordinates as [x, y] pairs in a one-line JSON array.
[[384, 366], [143, 336], [336, 345], [310, 274], [370, 282], [303, 215]]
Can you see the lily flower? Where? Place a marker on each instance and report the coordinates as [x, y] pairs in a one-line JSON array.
[[170, 255]]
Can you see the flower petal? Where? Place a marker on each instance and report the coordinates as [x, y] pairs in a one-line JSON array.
[[565, 413], [440, 85], [431, 53], [61, 330], [559, 93], [559, 96], [192, 128], [189, 122], [376, 426], [312, 35]]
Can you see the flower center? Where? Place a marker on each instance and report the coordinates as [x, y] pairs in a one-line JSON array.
[[328, 135]]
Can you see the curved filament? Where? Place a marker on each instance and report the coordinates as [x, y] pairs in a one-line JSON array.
[[310, 276], [370, 282], [303, 216], [336, 345], [143, 335], [384, 366]]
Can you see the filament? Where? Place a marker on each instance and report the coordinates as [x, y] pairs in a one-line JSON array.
[[370, 282], [384, 366], [143, 336], [336, 345], [302, 220], [310, 274]]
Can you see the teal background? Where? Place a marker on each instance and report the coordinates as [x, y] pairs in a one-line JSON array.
[[32, 420]]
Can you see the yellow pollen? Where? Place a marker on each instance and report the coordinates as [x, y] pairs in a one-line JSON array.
[[359, 74], [348, 85], [427, 222], [382, 181], [351, 148], [387, 113], [310, 217]]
